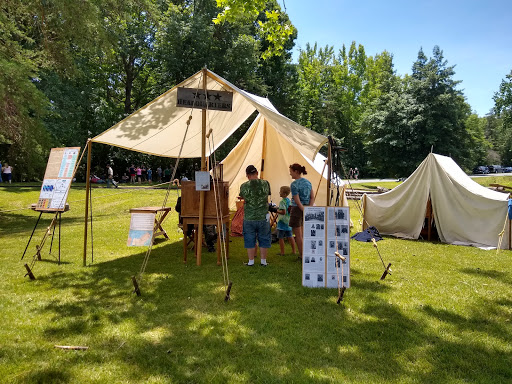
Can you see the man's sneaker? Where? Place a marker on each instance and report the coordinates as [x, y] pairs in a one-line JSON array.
[[249, 265], [264, 265]]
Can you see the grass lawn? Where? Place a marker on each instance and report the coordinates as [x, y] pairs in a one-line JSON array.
[[443, 316], [486, 181]]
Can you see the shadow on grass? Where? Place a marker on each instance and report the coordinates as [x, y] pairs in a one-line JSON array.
[[273, 330]]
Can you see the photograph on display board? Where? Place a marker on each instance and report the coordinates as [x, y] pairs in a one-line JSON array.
[[332, 280], [313, 215], [342, 247], [313, 280], [337, 267]]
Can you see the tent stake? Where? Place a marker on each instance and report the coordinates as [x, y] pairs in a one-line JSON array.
[[227, 297], [386, 272], [29, 273], [340, 297], [136, 286]]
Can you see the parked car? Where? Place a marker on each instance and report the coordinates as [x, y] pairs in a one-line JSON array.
[[507, 170], [494, 168], [481, 170]]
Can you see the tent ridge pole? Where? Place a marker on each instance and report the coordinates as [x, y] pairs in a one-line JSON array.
[[199, 244]]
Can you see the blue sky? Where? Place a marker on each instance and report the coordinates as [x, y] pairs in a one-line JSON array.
[[475, 36]]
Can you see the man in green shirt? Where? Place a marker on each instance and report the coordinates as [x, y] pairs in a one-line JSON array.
[[255, 192]]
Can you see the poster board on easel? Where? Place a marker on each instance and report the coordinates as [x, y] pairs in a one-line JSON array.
[[141, 229], [326, 231], [57, 179]]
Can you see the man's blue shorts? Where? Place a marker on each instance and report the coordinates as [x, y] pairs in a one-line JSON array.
[[257, 229], [281, 233]]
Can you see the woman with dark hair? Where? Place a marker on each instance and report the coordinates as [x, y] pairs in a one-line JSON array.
[[302, 195]]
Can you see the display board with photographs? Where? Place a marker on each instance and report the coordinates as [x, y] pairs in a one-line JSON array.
[[57, 179], [326, 231]]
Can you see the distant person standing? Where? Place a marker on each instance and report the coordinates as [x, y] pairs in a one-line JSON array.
[[159, 174], [132, 174], [302, 195], [138, 170], [255, 192], [7, 173], [167, 174], [351, 173], [110, 176], [1, 171], [356, 173], [150, 175]]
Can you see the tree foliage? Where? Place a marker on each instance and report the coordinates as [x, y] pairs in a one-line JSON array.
[[421, 113], [70, 70], [503, 109]]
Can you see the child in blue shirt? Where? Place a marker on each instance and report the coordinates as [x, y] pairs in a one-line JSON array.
[[283, 219]]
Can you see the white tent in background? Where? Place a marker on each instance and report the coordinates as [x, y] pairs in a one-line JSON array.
[[465, 212], [160, 128], [272, 153]]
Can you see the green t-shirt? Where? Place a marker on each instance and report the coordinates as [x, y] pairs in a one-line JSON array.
[[255, 193]]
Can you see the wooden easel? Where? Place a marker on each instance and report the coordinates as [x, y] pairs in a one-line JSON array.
[[57, 218]]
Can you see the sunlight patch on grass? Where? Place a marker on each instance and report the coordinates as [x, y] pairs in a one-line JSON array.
[[155, 335], [275, 287], [225, 325]]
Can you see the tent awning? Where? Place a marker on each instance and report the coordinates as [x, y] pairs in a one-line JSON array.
[[160, 127]]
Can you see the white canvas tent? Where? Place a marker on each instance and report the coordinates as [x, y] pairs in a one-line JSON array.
[[271, 152], [465, 212], [160, 127]]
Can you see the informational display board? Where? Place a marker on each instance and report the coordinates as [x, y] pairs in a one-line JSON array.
[[326, 231], [57, 179], [141, 229], [202, 181]]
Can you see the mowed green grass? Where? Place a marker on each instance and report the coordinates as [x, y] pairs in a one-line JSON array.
[[485, 181], [443, 316]]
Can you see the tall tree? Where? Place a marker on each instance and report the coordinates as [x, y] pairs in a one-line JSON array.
[[503, 109], [37, 36], [439, 120]]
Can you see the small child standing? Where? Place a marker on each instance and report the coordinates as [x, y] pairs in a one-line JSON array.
[[283, 219]]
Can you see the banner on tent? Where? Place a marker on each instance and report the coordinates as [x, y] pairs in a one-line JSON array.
[[198, 98]]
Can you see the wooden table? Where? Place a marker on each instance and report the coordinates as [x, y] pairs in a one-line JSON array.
[[206, 221], [159, 219]]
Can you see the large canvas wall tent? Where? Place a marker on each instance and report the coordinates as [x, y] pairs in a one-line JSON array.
[[273, 142], [164, 128], [464, 212]]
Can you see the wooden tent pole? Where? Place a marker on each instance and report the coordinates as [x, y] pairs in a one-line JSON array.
[[263, 149], [199, 244], [509, 236], [87, 186], [329, 170]]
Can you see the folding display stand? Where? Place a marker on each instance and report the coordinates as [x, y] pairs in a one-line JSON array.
[[57, 218]]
